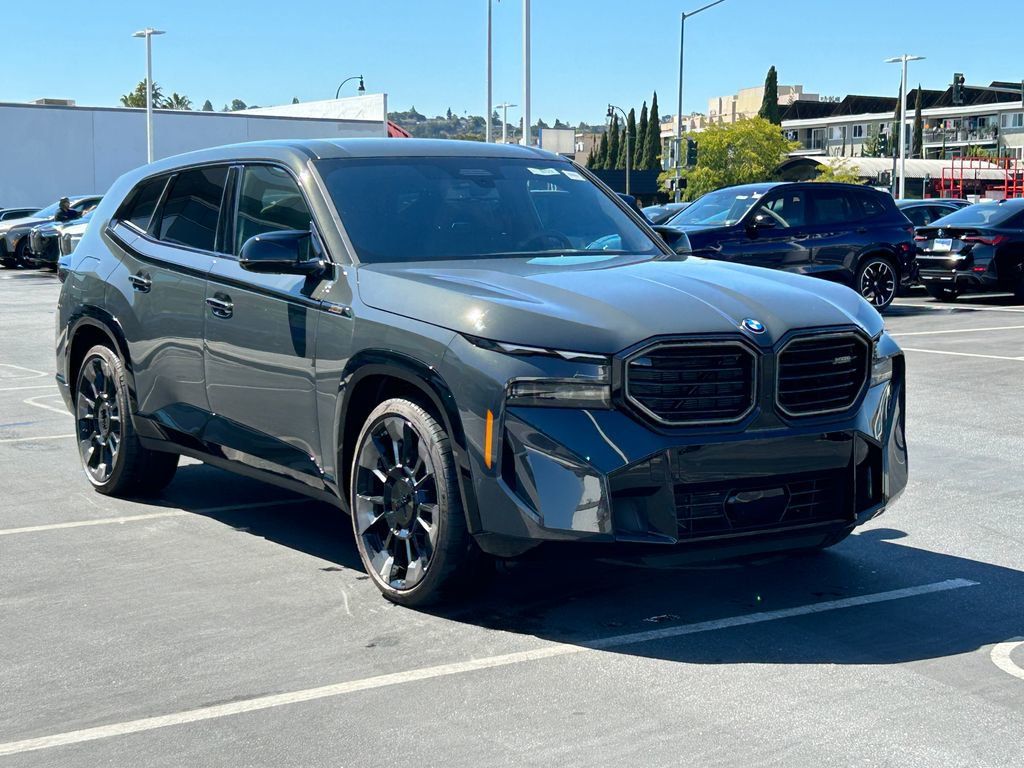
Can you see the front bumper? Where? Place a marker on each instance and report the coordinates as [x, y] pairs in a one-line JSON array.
[[43, 250], [605, 478]]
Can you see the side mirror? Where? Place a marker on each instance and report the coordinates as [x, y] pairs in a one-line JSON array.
[[674, 238], [762, 221], [283, 252]]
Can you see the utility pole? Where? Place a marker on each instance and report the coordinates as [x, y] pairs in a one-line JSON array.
[[490, 109], [679, 102], [526, 73]]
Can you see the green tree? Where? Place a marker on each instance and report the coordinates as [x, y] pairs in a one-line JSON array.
[[591, 157], [917, 142], [839, 170], [207, 106], [770, 101], [628, 130], [652, 150], [872, 145], [640, 140], [601, 160], [295, 99], [743, 152], [177, 101], [613, 144], [894, 135], [137, 98]]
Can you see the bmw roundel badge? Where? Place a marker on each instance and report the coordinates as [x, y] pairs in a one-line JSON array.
[[752, 325]]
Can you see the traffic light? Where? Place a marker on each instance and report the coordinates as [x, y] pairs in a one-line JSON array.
[[691, 152], [958, 88]]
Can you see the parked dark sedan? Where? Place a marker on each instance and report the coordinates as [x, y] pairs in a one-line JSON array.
[[16, 213], [979, 249], [846, 233], [923, 212], [471, 348]]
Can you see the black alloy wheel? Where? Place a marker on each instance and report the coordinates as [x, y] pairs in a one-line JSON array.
[[406, 512], [114, 460], [877, 282]]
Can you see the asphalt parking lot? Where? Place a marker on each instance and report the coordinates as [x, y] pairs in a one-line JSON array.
[[229, 623]]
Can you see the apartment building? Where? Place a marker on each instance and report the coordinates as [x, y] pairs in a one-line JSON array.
[[991, 118], [747, 102]]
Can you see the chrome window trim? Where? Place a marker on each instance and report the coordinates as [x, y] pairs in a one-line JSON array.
[[754, 388], [811, 335]]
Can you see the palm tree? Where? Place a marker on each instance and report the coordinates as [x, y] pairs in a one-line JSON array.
[[137, 98], [177, 101]]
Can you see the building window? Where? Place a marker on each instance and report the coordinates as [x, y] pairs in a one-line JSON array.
[[837, 133], [817, 138], [1012, 120], [858, 131]]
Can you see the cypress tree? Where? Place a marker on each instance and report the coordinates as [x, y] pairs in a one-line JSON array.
[[917, 145], [602, 152], [613, 144], [897, 128], [652, 152], [770, 101], [591, 157], [640, 140], [630, 131]]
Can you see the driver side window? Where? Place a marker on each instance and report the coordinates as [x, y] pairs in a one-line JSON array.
[[270, 201], [787, 210]]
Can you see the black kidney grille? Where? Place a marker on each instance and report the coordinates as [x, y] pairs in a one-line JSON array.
[[821, 374], [681, 383]]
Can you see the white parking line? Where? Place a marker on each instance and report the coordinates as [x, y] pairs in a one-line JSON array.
[[32, 372], [150, 516], [962, 354], [959, 330], [34, 386], [959, 308], [461, 667], [32, 401], [1000, 655], [33, 439]]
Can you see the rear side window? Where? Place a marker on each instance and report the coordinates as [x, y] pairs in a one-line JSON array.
[[832, 206], [871, 204], [142, 203], [192, 208], [270, 201], [919, 215]]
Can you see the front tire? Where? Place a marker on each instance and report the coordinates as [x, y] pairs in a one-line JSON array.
[[878, 281], [941, 293], [407, 516], [112, 457]]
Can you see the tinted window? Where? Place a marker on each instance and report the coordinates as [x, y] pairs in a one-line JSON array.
[[978, 215], [720, 208], [270, 201], [870, 203], [919, 215], [788, 209], [832, 206], [421, 208], [190, 213]]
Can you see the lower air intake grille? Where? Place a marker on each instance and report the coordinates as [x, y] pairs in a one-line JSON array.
[[692, 383], [821, 374]]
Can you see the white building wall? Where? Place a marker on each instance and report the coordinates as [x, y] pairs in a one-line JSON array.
[[49, 151]]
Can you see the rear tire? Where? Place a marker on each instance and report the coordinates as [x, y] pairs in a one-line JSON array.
[[20, 259], [407, 516], [940, 293], [878, 281], [114, 460]]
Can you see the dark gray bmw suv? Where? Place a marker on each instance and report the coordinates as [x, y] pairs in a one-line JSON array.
[[471, 349]]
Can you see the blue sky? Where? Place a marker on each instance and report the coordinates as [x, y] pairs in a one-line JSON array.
[[430, 53]]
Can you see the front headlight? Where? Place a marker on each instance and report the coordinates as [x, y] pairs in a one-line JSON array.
[[581, 379], [881, 365]]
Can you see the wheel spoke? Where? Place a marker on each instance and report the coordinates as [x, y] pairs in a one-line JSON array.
[[410, 446], [382, 448], [414, 572], [429, 528]]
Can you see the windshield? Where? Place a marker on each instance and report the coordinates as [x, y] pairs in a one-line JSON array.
[[979, 215], [47, 212], [721, 208], [434, 208]]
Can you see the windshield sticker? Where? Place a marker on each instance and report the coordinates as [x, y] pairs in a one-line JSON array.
[[543, 171], [574, 175]]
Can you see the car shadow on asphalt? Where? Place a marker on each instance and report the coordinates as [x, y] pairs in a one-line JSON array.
[[962, 305], [580, 598]]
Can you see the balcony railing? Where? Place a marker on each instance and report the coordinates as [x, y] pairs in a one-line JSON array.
[[953, 135]]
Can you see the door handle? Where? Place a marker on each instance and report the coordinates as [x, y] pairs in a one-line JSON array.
[[140, 282], [220, 304]]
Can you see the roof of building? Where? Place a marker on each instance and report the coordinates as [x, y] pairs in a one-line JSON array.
[[871, 167], [855, 104]]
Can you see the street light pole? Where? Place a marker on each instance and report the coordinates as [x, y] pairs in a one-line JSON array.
[[526, 73], [490, 109], [903, 118], [148, 33], [625, 122], [361, 89], [679, 103], [504, 120]]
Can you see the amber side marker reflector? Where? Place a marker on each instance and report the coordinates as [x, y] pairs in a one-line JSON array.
[[488, 439]]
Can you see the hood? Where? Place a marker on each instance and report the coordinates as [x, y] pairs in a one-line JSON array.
[[607, 306], [28, 221]]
